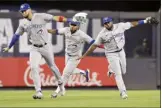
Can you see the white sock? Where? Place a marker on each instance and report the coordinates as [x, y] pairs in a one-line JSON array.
[[78, 71], [36, 78], [61, 84], [57, 90], [120, 83]]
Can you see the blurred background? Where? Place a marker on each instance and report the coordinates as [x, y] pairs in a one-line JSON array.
[[142, 43]]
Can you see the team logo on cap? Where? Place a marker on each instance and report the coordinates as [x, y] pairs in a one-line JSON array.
[[22, 6]]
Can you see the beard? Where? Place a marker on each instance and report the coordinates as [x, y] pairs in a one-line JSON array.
[[73, 31], [110, 28], [26, 16]]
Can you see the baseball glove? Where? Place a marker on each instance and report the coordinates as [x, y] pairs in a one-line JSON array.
[[152, 20], [81, 17]]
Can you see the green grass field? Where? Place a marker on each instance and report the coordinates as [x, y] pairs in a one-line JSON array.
[[81, 98]]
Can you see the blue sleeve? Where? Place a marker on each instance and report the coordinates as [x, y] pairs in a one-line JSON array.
[[86, 47], [57, 32], [140, 22], [15, 38], [91, 42]]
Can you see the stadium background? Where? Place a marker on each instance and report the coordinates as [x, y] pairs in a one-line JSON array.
[[143, 69]]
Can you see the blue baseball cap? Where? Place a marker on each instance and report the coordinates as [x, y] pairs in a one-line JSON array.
[[75, 23], [24, 7], [107, 20]]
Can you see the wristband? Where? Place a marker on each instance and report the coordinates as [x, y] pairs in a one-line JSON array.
[[140, 22], [60, 18]]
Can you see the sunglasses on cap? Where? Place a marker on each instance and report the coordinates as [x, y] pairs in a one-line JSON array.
[[73, 24], [107, 22], [22, 11]]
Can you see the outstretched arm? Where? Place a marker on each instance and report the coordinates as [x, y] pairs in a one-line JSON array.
[[90, 50], [136, 23], [15, 38], [99, 46], [149, 20], [90, 41], [53, 31], [60, 31], [61, 19], [49, 17]]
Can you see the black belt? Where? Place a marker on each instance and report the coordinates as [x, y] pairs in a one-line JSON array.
[[70, 55], [39, 46], [116, 51]]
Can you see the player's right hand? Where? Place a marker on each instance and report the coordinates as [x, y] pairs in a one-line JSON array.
[[5, 49]]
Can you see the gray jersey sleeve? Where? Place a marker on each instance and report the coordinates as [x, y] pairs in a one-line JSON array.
[[126, 25], [98, 40], [62, 31], [86, 37], [20, 29], [47, 17]]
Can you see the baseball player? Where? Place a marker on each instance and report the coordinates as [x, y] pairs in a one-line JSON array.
[[81, 17], [35, 27], [74, 40], [112, 36]]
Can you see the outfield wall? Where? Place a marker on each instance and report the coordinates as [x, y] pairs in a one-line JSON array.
[[15, 72]]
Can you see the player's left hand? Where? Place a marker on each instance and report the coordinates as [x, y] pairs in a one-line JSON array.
[[60, 18], [152, 20]]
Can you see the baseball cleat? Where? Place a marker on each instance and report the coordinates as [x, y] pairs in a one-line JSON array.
[[110, 74], [54, 95], [87, 76], [124, 95], [60, 92], [38, 95]]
